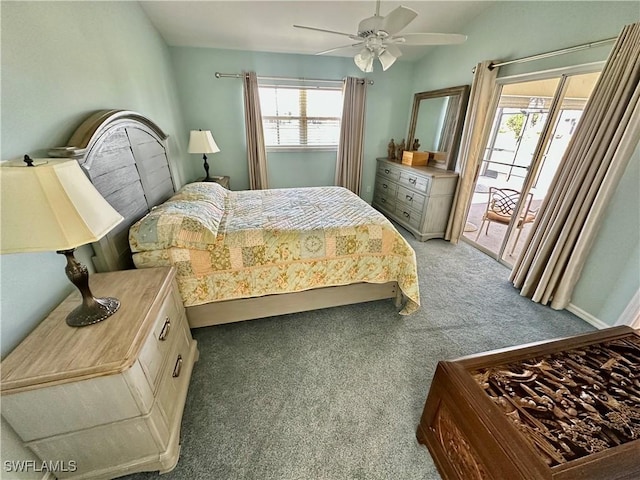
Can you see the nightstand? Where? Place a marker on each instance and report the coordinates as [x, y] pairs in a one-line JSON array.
[[224, 181], [107, 398]]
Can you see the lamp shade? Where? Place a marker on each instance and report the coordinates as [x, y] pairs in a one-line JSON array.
[[201, 141], [364, 60], [386, 60], [51, 206]]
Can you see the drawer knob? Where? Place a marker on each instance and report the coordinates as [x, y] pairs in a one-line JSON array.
[[406, 214], [383, 200], [177, 367], [384, 185], [412, 180], [164, 333], [387, 171], [409, 197]]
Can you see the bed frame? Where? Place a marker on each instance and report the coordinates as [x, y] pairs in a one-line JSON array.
[[125, 156]]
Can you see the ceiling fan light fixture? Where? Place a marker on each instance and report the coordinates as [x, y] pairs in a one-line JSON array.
[[386, 59], [364, 60], [379, 37]]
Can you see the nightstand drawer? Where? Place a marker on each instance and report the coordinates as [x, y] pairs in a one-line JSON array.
[[123, 443], [156, 349], [175, 376]]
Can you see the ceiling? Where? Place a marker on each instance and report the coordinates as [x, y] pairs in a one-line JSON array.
[[267, 26]]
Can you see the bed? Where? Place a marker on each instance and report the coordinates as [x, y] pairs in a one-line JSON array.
[[238, 255]]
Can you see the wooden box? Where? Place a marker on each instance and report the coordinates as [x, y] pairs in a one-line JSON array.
[[415, 158], [438, 159], [560, 410]]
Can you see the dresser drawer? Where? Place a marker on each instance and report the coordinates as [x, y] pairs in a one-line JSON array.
[[386, 187], [411, 197], [417, 182], [384, 201], [408, 215], [156, 349], [388, 172]]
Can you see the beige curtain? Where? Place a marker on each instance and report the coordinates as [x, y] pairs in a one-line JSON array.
[[256, 151], [350, 146], [477, 126], [595, 159]]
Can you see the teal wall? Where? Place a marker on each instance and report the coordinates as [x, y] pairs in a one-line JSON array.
[[61, 61], [611, 275], [513, 30], [518, 29], [217, 105]]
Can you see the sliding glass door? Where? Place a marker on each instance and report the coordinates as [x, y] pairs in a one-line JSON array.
[[532, 126]]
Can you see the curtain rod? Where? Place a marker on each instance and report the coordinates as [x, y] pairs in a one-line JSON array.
[[553, 53], [289, 79]]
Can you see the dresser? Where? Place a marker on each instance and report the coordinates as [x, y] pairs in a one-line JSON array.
[[107, 399], [418, 198]]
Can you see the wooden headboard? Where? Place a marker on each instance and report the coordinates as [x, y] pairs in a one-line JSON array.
[[124, 154]]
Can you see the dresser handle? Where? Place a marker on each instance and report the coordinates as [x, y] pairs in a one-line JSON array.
[[384, 185], [412, 181], [382, 200], [178, 367], [387, 171], [165, 330], [406, 214], [409, 197]]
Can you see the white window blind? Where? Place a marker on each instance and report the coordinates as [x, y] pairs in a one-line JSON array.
[[301, 117]]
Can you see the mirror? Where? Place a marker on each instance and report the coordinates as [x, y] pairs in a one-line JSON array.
[[436, 122]]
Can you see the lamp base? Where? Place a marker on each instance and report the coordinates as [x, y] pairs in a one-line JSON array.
[[207, 178], [97, 310], [91, 310]]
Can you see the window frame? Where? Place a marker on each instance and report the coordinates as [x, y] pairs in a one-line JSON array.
[[303, 118]]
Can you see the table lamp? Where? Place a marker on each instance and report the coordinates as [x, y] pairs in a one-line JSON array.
[[50, 205], [202, 142]]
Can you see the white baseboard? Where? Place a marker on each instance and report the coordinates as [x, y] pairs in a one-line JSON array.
[[587, 317]]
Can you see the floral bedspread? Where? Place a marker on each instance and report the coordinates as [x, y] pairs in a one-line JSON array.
[[228, 245]]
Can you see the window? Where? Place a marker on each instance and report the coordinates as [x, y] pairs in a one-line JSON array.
[[301, 117]]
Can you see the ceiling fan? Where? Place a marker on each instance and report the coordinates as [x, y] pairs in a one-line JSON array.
[[377, 36]]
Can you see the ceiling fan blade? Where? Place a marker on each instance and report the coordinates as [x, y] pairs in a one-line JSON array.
[[393, 50], [429, 38], [353, 37], [339, 48], [398, 19]]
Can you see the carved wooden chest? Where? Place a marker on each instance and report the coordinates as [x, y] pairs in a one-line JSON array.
[[566, 409]]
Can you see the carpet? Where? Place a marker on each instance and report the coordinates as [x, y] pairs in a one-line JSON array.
[[338, 393]]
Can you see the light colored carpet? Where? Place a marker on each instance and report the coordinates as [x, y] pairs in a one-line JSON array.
[[338, 393]]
